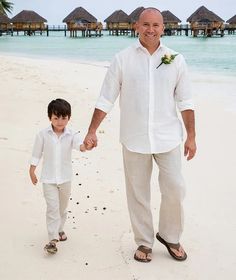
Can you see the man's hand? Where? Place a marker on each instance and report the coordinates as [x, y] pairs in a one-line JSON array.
[[90, 141], [33, 178], [190, 148]]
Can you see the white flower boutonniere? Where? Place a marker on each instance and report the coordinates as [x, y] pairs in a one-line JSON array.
[[167, 59]]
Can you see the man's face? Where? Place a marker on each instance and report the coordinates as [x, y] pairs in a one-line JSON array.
[[150, 27]]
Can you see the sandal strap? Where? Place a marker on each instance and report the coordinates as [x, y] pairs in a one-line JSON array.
[[144, 249], [174, 246]]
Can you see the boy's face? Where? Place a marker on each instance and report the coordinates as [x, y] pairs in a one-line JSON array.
[[59, 123]]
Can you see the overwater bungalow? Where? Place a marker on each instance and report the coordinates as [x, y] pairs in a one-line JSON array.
[[118, 23], [205, 22], [29, 22], [81, 20], [231, 25], [171, 23], [133, 17], [5, 23]]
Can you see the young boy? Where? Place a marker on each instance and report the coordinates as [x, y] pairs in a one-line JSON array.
[[55, 144]]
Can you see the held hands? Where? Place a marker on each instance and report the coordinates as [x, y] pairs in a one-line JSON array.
[[190, 148], [90, 141]]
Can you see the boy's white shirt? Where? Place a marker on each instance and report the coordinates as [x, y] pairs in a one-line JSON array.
[[56, 153]]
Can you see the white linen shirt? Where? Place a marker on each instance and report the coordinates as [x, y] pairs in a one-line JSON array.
[[149, 95], [56, 152]]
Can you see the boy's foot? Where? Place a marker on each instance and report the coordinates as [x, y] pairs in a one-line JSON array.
[[62, 236], [143, 254], [51, 247]]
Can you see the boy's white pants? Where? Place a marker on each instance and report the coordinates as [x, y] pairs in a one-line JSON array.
[[138, 169], [57, 198]]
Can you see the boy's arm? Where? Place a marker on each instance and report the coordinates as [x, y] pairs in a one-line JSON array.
[[36, 156], [33, 177]]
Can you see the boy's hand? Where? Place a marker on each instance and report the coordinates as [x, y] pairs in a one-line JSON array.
[[82, 148]]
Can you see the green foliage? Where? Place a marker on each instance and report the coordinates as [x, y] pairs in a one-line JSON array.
[[5, 7]]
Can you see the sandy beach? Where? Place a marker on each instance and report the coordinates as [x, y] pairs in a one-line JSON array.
[[100, 243]]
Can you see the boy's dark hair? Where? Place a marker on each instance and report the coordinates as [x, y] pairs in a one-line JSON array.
[[59, 107]]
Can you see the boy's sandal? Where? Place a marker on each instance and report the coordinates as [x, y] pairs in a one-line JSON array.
[[51, 247], [170, 246], [144, 250], [62, 236]]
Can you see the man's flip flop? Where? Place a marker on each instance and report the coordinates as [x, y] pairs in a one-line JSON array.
[[144, 250], [62, 236], [170, 246]]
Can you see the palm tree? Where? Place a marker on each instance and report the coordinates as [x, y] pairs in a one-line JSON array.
[[5, 6]]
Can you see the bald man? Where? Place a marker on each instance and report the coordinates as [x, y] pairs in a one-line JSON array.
[[152, 83]]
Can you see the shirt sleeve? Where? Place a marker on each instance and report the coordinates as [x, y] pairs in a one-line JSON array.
[[37, 150], [77, 141], [111, 87], [183, 95]]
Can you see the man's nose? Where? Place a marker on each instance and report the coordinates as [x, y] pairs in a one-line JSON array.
[[150, 28]]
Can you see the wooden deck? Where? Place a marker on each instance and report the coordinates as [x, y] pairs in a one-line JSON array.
[[52, 28], [183, 29]]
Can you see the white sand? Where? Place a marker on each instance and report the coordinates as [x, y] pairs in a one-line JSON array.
[[102, 238]]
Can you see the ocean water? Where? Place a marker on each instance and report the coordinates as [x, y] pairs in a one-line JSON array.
[[204, 55]]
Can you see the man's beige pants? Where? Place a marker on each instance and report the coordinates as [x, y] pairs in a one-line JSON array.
[[57, 198], [138, 170]]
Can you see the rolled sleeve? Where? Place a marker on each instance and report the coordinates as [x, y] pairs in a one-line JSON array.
[[37, 150], [77, 141], [111, 87], [34, 161], [104, 104], [183, 94], [185, 105]]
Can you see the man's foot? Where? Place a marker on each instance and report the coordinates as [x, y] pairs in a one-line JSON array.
[[51, 247], [143, 254], [175, 250], [62, 236]]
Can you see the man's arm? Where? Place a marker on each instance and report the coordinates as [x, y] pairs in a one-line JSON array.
[[90, 140], [189, 123]]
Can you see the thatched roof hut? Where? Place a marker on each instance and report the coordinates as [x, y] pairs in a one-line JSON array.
[[28, 17], [133, 17], [26, 20], [205, 20], [171, 22], [231, 24], [81, 20], [118, 20], [170, 18], [5, 22], [202, 14], [80, 15], [4, 19], [232, 20]]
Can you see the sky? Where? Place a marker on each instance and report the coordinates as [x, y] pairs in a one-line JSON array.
[[56, 10]]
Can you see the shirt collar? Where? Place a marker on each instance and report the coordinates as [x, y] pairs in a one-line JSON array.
[[66, 130], [138, 45]]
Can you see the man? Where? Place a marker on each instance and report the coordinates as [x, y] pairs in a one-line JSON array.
[[151, 80]]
